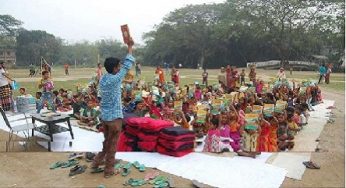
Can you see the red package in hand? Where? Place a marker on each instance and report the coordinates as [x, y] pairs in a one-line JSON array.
[[126, 33]]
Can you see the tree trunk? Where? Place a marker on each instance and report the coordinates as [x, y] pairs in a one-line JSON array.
[[201, 64]]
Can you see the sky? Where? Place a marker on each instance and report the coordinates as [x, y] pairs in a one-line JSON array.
[[78, 20]]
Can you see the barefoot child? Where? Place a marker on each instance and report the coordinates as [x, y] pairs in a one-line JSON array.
[[47, 87]]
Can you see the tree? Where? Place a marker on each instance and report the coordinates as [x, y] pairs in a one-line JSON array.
[[32, 45], [9, 25], [8, 30], [184, 36]]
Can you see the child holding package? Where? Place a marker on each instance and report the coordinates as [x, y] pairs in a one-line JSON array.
[[47, 87]]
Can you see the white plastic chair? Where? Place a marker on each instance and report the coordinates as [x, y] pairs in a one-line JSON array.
[[25, 128]]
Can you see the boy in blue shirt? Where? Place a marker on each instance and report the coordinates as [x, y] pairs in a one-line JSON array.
[[323, 72], [111, 108]]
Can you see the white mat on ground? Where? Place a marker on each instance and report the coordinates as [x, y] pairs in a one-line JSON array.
[[211, 170], [306, 139], [84, 140], [293, 163]]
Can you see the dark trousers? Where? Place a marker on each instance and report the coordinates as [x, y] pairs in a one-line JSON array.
[[111, 133], [321, 76]]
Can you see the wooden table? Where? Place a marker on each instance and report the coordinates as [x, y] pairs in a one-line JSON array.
[[51, 126]]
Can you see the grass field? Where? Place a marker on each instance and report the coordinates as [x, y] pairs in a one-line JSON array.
[[83, 75]]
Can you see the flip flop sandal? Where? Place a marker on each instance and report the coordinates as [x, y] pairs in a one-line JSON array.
[[315, 166], [74, 168], [161, 185], [127, 166], [137, 182], [311, 165], [89, 157], [118, 166], [70, 163], [126, 171], [141, 168], [56, 165], [156, 179], [80, 170], [136, 164], [101, 186], [97, 170]]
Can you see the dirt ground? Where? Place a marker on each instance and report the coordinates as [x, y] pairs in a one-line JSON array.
[[31, 169]]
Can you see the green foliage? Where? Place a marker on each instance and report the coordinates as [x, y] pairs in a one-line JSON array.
[[237, 32], [9, 25], [32, 45]]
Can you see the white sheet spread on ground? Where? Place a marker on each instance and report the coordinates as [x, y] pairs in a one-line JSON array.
[[230, 171], [225, 171], [293, 163]]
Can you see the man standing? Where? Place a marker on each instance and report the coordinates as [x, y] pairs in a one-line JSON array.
[[166, 65], [138, 70], [323, 72], [205, 77], [111, 108], [66, 69]]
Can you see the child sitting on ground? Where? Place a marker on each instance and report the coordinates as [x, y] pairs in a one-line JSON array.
[[293, 128], [38, 100], [56, 100], [90, 115], [225, 131], [213, 140], [234, 128], [77, 104], [23, 93], [263, 138], [181, 119], [249, 139], [283, 137]]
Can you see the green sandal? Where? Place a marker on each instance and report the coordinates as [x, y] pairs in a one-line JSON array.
[[141, 168], [135, 182], [70, 163], [56, 165], [126, 169], [136, 164], [118, 166], [157, 179], [161, 185]]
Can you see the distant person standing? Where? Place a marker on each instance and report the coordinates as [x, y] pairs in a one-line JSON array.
[[175, 76], [281, 74], [328, 72], [138, 69], [99, 72], [160, 74], [252, 75], [205, 77], [31, 70], [66, 66], [222, 77], [322, 72], [291, 70], [166, 66]]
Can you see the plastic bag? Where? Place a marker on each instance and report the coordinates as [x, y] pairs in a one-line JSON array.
[[15, 85]]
